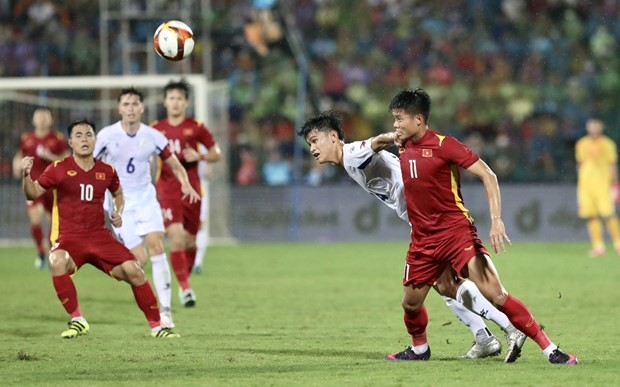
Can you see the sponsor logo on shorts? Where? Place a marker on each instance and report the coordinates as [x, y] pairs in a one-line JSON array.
[[71, 173]]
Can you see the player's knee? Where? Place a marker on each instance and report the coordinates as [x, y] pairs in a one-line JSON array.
[[446, 288], [133, 274], [60, 262], [190, 244], [410, 305]]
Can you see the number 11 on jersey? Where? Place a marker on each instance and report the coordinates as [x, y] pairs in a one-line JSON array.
[[413, 170]]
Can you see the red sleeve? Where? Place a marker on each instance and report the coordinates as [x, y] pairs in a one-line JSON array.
[[48, 179], [165, 153], [458, 153], [114, 182], [205, 137]]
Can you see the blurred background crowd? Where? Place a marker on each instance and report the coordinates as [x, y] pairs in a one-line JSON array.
[[513, 79]]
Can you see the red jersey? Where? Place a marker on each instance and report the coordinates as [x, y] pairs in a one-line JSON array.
[[430, 171], [78, 196], [188, 134], [31, 145]]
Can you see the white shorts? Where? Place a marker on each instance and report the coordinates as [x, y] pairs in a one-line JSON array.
[[138, 223]]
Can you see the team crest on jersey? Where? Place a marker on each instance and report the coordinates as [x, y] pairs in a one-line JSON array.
[[71, 173], [188, 132], [427, 153], [100, 176]]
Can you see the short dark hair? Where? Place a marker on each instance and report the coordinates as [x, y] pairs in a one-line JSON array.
[[177, 85], [324, 122], [80, 122], [413, 102], [132, 91]]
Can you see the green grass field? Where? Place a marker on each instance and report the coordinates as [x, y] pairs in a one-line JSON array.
[[305, 314]]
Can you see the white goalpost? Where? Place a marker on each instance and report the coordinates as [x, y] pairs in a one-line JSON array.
[[95, 98]]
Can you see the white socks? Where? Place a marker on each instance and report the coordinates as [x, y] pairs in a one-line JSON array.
[[201, 245], [161, 280], [469, 295], [467, 317]]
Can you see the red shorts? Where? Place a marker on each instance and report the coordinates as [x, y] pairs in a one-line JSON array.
[[424, 266], [100, 249], [47, 200], [175, 210]]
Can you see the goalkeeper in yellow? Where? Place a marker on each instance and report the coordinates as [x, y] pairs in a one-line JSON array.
[[597, 185]]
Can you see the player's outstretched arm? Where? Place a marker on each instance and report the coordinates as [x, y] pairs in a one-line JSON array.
[[119, 203], [497, 233], [383, 141], [181, 175], [32, 189]]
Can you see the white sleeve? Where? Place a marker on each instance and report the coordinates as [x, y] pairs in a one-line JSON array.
[[357, 154], [100, 143], [160, 140]]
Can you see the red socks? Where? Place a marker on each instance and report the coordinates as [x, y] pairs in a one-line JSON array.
[[65, 289], [37, 235], [522, 319], [190, 257], [179, 265], [416, 323], [145, 298]]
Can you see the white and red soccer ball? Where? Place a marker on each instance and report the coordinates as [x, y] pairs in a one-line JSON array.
[[173, 40]]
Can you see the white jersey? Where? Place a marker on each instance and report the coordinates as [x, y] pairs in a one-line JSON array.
[[378, 173], [131, 156]]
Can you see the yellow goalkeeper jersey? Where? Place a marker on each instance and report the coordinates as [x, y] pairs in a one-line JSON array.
[[596, 158]]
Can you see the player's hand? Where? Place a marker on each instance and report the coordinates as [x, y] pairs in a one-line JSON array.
[[116, 219], [397, 139], [26, 165], [190, 155], [190, 193], [498, 236]]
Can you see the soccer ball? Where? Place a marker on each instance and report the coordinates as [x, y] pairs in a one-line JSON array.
[[173, 40]]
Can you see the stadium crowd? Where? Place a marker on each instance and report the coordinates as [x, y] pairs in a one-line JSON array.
[[513, 79]]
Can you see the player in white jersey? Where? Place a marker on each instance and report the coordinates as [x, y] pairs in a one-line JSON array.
[[377, 171], [129, 145]]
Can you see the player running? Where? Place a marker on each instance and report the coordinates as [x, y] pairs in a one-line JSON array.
[[378, 172], [79, 235], [128, 145], [181, 218], [443, 234], [45, 146]]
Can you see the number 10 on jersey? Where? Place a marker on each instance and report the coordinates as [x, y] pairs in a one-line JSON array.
[[86, 192]]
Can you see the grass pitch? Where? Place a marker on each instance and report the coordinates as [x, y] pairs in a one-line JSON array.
[[305, 314]]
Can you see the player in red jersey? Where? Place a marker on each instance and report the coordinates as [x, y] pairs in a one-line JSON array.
[[442, 231], [45, 146], [182, 218], [79, 235]]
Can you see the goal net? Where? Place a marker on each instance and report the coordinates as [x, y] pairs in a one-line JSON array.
[[95, 98]]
